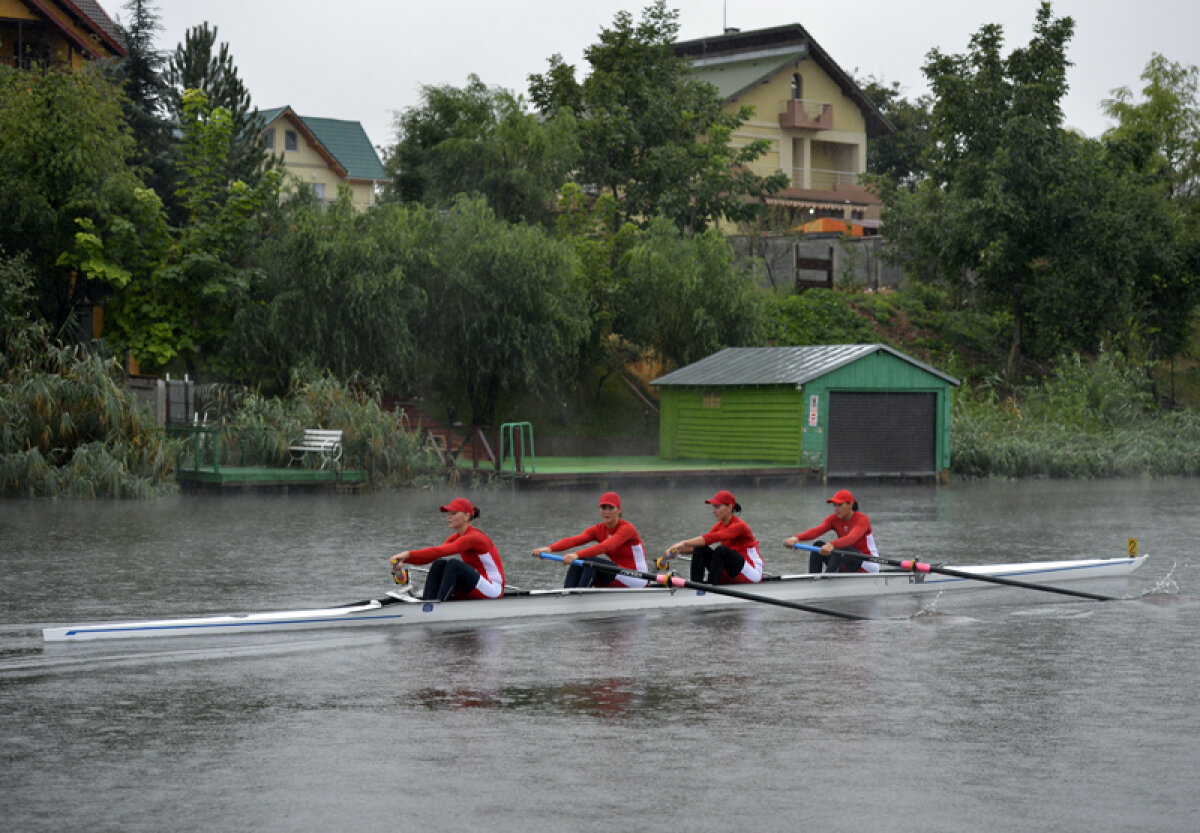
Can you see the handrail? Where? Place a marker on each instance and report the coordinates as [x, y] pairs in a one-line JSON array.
[[507, 436]]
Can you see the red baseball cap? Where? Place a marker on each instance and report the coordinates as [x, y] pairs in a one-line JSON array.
[[722, 496], [459, 504], [842, 496], [610, 499]]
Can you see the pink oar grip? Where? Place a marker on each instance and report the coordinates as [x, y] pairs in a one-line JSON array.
[[914, 565]]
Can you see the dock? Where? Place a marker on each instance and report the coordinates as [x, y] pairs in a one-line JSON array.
[[612, 471], [266, 479]]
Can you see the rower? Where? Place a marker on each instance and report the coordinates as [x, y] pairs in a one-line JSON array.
[[479, 575]]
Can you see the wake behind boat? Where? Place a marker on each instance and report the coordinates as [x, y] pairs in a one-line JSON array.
[[402, 608]]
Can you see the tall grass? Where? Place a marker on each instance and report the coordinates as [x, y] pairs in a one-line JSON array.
[[69, 427], [1087, 420]]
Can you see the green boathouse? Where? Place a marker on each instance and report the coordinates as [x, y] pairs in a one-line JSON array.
[[850, 410]]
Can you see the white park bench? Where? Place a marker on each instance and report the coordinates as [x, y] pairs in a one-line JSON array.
[[318, 441]]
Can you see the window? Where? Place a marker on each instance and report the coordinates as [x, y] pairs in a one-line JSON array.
[[319, 187], [797, 86], [711, 399], [289, 140], [269, 135]]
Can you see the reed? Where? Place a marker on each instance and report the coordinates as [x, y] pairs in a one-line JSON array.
[[69, 427], [1087, 420]]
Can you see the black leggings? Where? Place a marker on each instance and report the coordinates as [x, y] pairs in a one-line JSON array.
[[719, 562], [835, 562], [580, 573], [449, 577]]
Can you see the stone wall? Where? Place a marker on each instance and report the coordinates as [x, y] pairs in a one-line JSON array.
[[786, 262]]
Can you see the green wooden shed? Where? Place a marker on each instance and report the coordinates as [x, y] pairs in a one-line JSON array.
[[851, 410]]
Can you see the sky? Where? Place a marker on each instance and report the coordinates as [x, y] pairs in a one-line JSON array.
[[365, 60]]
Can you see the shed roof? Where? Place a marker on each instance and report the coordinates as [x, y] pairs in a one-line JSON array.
[[780, 365], [345, 141]]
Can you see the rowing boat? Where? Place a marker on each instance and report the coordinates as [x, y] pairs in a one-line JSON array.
[[403, 608]]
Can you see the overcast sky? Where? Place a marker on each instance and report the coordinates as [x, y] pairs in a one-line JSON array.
[[366, 59]]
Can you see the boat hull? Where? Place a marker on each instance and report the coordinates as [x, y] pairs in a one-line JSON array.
[[403, 609]]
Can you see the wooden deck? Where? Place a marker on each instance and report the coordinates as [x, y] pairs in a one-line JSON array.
[[234, 479], [602, 472]]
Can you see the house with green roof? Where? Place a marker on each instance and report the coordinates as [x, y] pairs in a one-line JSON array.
[[325, 154], [812, 113]]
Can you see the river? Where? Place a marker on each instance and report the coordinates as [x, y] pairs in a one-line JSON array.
[[1000, 710]]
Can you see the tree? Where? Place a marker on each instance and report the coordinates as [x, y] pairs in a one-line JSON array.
[[503, 318], [176, 296], [195, 66], [480, 140], [651, 134], [1029, 220], [898, 157], [65, 165], [682, 297], [1161, 135], [369, 262], [978, 217], [139, 73]]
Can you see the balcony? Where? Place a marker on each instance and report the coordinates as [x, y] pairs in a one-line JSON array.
[[822, 180], [815, 179], [802, 114]]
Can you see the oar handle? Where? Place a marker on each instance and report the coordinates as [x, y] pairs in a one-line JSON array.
[[915, 566]]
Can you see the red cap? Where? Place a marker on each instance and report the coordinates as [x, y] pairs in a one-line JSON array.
[[459, 504], [842, 496], [610, 499], [722, 496]]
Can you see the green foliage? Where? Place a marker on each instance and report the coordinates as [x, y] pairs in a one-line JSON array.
[[68, 425], [683, 297], [652, 135], [66, 158], [898, 158], [173, 297], [818, 316], [480, 140], [506, 317], [1161, 135], [199, 64], [139, 74], [1033, 222], [1088, 420], [340, 292]]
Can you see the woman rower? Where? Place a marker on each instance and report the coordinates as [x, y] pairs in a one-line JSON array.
[[728, 552], [615, 537], [479, 575], [853, 529]]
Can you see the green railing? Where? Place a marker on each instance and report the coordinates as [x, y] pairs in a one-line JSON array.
[[512, 443], [208, 447]]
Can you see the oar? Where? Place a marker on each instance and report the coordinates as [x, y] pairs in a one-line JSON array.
[[672, 580], [919, 567]]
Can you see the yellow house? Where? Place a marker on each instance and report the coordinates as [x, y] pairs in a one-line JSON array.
[[56, 33], [326, 153], [815, 117]]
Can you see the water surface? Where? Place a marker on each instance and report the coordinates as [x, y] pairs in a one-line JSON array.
[[1003, 710]]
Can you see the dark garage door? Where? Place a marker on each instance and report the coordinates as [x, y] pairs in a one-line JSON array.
[[881, 434]]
